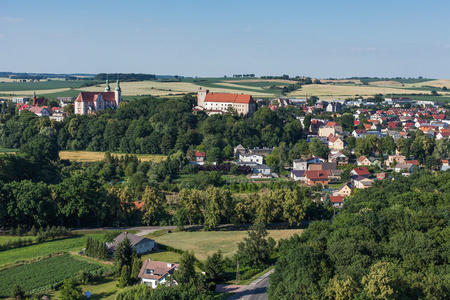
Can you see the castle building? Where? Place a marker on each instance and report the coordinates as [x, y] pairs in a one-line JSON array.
[[89, 102], [223, 102]]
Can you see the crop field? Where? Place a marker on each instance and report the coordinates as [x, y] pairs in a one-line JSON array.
[[40, 85], [208, 242], [90, 156], [31, 252], [42, 274]]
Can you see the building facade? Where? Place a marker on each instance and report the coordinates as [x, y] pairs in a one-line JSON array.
[[241, 104], [89, 102]]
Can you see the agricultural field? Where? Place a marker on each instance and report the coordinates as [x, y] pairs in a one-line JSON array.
[[42, 274], [330, 89], [205, 243], [35, 251], [105, 289], [89, 156]]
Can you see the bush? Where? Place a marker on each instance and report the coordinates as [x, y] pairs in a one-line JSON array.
[[212, 286]]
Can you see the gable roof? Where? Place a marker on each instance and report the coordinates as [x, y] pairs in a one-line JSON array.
[[200, 154], [298, 173], [317, 174], [134, 240], [361, 171], [336, 199], [160, 269], [225, 97], [92, 96]]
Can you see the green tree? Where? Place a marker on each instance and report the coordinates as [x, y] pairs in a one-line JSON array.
[[347, 122], [214, 267], [191, 201], [318, 148], [70, 290], [307, 122], [123, 255], [218, 206], [125, 277], [186, 272], [254, 251], [153, 204]]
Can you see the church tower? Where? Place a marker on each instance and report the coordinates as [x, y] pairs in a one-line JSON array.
[[107, 88], [34, 98], [118, 93]]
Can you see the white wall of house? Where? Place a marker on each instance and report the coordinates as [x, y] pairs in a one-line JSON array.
[[145, 246]]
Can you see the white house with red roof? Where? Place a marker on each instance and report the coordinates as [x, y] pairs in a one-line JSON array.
[[240, 103], [90, 102], [39, 111], [154, 273], [360, 171]]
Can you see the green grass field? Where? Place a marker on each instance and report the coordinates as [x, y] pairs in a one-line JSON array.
[[41, 85], [32, 252], [42, 274], [206, 243], [105, 289]]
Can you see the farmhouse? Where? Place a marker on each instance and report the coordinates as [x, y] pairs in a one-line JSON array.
[[141, 244], [154, 273], [242, 104], [89, 102]]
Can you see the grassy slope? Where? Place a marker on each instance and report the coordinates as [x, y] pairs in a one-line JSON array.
[[31, 252], [206, 243]]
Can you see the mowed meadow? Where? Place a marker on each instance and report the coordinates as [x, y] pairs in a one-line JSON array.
[[91, 156], [206, 243]]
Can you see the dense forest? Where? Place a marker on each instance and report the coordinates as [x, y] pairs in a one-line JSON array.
[[153, 126], [388, 242]]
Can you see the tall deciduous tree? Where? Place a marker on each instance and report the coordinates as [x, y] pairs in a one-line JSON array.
[[254, 251], [153, 203]]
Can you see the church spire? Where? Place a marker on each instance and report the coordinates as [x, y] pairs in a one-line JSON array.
[[118, 86], [107, 88]]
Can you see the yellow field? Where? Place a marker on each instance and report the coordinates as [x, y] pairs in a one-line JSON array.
[[205, 243], [342, 91], [89, 156]]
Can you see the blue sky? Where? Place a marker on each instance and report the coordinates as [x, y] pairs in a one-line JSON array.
[[215, 38]]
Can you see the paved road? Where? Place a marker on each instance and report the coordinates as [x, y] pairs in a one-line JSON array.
[[257, 290], [143, 230]]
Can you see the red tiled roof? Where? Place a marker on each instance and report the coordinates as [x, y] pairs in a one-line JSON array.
[[367, 126], [362, 158], [356, 123], [336, 199], [331, 124], [199, 154], [92, 96], [317, 174], [361, 171], [360, 131], [414, 162], [232, 98]]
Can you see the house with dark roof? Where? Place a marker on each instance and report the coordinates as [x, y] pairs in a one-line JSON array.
[[298, 175], [154, 273], [141, 244]]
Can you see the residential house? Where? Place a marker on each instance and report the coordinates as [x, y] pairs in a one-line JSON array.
[[199, 156], [400, 167], [261, 169], [363, 183], [251, 158], [298, 175], [141, 244], [360, 171], [335, 175], [337, 201], [330, 128], [375, 161], [239, 149], [314, 177], [315, 160], [442, 135], [300, 164], [445, 165], [359, 133], [322, 166], [335, 142], [338, 158], [395, 135], [154, 273], [39, 111], [363, 161], [396, 158], [344, 190]]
